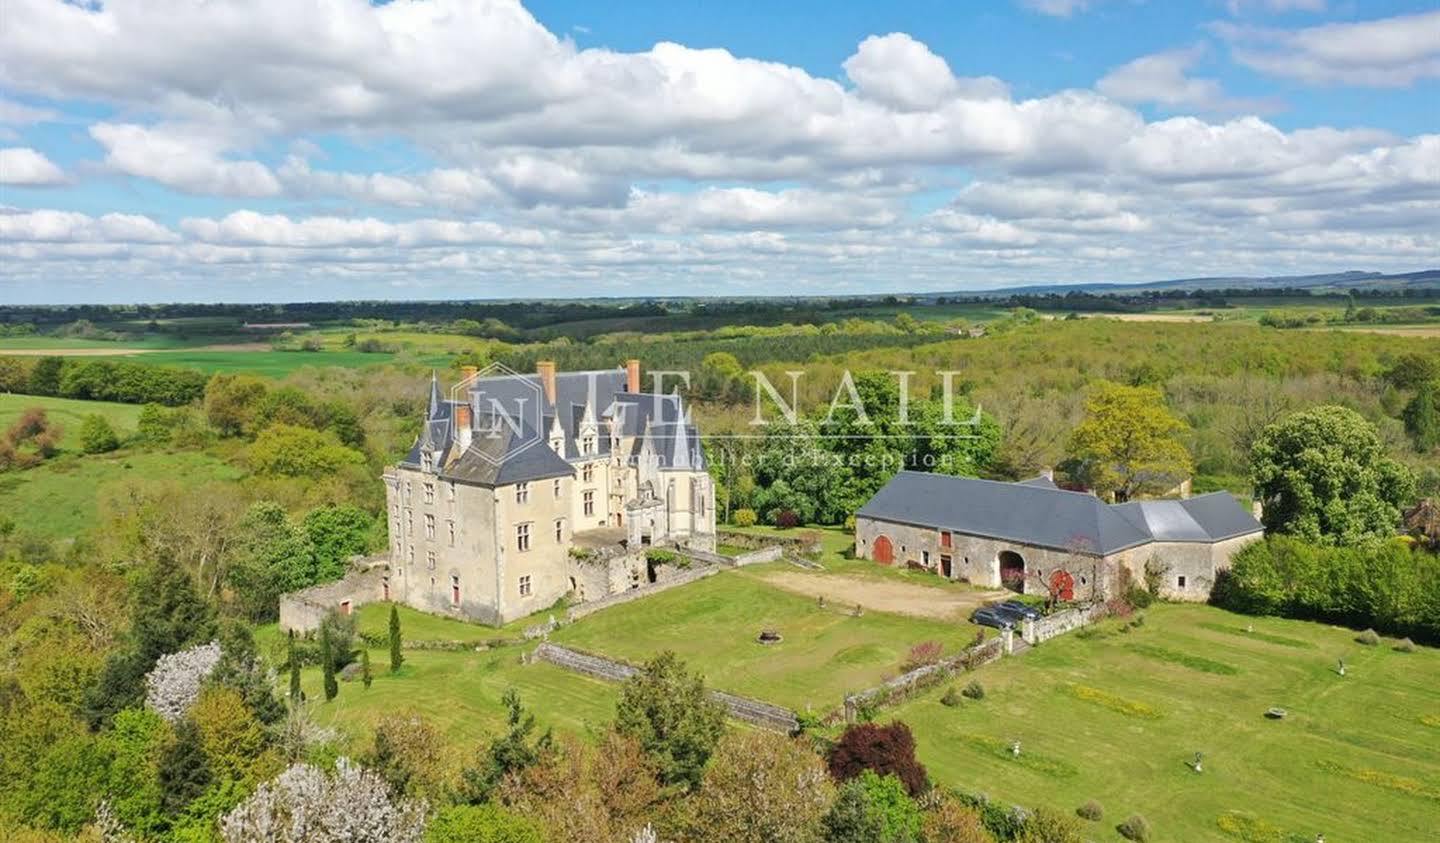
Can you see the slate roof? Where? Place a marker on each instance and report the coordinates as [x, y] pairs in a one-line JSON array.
[[1044, 516], [658, 419]]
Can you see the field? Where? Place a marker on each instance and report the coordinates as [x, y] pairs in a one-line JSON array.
[[58, 498], [69, 413], [712, 624], [1117, 717]]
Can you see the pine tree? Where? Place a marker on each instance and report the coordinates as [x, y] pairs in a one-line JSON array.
[[396, 659], [327, 663], [294, 672], [365, 667]]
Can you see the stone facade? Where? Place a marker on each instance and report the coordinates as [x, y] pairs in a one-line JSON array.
[[1187, 569], [495, 544]]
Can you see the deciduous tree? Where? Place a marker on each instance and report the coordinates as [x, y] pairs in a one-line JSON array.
[[666, 709], [1128, 442]]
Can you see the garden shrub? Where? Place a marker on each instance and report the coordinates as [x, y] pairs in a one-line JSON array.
[[1369, 638], [1090, 811], [1135, 827], [97, 436], [974, 690], [951, 697], [785, 519], [887, 750], [922, 654], [745, 518], [1046, 825]]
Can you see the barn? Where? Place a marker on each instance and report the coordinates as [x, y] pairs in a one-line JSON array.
[[1033, 537]]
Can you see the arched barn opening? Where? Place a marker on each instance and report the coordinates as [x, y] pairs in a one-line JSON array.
[[1012, 571], [884, 552]]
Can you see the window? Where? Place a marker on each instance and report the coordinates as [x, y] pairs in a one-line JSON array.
[[559, 530], [522, 537], [411, 555], [395, 509], [700, 505], [450, 525], [589, 500], [449, 491], [522, 492], [525, 586], [925, 557], [430, 560], [429, 526], [587, 445], [407, 492], [429, 492], [587, 473], [1180, 581], [557, 487], [455, 589], [425, 461], [385, 585], [344, 607], [945, 539]]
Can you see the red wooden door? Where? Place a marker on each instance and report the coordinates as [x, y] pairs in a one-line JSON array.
[[1062, 585], [884, 551]]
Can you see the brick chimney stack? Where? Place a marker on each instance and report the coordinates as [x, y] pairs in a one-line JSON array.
[[546, 370], [468, 372], [463, 425], [632, 375]]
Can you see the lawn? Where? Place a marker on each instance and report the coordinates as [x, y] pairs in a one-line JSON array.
[[713, 624], [273, 364], [837, 545], [1116, 718], [58, 498], [69, 413], [460, 692]]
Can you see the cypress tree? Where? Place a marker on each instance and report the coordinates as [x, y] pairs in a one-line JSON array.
[[1422, 417], [327, 662], [294, 672], [182, 770], [396, 658], [365, 666]]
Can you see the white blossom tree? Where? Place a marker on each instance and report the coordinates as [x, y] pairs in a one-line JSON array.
[[173, 685], [303, 805]]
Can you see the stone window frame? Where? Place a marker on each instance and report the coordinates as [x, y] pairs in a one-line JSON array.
[[522, 492], [450, 525], [526, 586], [429, 490], [557, 487], [430, 526], [522, 536], [454, 589], [587, 472], [559, 530], [587, 444], [430, 560], [587, 502]]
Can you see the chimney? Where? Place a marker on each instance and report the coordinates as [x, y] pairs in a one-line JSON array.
[[463, 426], [468, 372], [632, 375], [546, 370]]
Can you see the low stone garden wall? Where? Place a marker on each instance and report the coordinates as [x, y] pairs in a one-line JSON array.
[[906, 685], [1060, 623], [792, 544], [579, 611], [755, 712], [769, 553]]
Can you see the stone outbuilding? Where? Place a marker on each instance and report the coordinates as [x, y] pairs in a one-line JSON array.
[[1033, 537]]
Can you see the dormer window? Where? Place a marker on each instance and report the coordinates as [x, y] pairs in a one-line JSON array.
[[587, 444], [427, 461]]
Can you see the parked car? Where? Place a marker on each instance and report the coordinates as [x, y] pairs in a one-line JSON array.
[[1021, 611], [993, 616]]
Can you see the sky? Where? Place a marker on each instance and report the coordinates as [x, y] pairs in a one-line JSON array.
[[302, 150]]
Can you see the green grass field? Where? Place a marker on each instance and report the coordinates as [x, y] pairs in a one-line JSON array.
[[69, 413], [1116, 718], [836, 546], [58, 498], [713, 625]]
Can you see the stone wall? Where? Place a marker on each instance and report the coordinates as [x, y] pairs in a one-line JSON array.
[[1060, 623], [894, 691], [750, 557], [581, 610], [303, 610], [757, 542], [755, 712]]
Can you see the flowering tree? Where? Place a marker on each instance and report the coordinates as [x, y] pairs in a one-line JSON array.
[[303, 805], [173, 685]]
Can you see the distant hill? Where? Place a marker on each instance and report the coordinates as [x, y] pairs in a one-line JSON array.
[[1335, 281]]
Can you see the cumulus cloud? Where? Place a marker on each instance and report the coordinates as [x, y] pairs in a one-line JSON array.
[[903, 73], [183, 159], [1386, 53], [19, 114], [1162, 78], [24, 167]]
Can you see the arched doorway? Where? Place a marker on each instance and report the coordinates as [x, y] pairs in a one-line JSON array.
[[1062, 586], [884, 552], [1012, 571]]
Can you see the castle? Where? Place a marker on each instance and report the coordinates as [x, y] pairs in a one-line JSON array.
[[521, 489]]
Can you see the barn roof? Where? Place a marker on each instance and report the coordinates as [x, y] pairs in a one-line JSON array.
[[1044, 516]]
